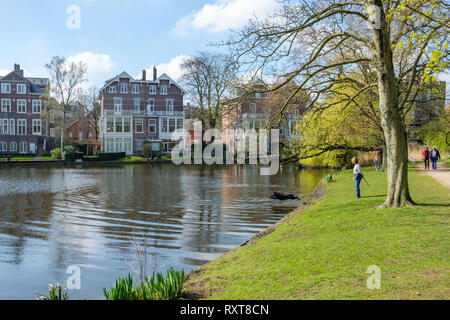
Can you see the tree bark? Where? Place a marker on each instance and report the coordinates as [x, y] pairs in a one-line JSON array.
[[394, 132]]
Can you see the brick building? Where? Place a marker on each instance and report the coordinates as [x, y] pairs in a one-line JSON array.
[[80, 132], [22, 130], [138, 111]]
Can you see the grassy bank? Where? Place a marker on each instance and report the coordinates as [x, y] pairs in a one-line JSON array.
[[323, 251]]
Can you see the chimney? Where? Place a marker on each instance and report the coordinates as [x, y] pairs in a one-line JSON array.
[[155, 73], [17, 69], [144, 75]]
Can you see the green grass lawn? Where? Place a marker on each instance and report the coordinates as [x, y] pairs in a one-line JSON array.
[[323, 251], [18, 158], [132, 159]]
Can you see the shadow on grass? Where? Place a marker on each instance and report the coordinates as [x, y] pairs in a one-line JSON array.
[[379, 196], [433, 204]]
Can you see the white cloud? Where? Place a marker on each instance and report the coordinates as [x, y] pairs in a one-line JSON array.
[[225, 14], [171, 68], [98, 66]]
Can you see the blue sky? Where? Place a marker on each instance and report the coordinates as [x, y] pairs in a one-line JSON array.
[[114, 36], [117, 35]]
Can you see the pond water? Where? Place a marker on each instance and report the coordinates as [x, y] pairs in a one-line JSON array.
[[52, 218]]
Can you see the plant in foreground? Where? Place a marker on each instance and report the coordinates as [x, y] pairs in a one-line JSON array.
[[328, 178], [158, 287], [55, 292]]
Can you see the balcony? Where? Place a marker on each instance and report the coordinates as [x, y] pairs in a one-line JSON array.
[[144, 113]]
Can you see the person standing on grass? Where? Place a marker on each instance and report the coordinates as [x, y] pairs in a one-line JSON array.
[[426, 158], [377, 161], [357, 176], [434, 157]]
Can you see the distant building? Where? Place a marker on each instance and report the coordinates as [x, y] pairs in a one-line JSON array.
[[23, 130], [428, 106], [80, 132], [255, 112], [136, 111]]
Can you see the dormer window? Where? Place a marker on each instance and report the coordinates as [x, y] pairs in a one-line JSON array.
[[164, 89], [124, 88], [112, 89], [135, 89]]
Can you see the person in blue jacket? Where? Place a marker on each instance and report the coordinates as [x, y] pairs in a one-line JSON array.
[[434, 157]]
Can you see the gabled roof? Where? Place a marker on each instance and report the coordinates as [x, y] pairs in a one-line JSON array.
[[37, 85]]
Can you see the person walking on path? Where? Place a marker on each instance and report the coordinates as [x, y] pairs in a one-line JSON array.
[[426, 158], [357, 176], [434, 157], [377, 162]]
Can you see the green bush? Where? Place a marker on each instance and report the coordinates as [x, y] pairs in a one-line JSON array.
[[56, 153], [328, 178], [158, 287], [55, 292], [69, 153]]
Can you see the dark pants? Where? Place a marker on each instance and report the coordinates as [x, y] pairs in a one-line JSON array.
[[427, 164], [357, 184]]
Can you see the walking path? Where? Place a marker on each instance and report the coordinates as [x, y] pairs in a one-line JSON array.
[[442, 175]]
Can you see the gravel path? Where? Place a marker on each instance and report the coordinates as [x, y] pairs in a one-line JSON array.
[[442, 174]]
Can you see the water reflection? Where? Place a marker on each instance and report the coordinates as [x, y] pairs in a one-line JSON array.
[[53, 218]]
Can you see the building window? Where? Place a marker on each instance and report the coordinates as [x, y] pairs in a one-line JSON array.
[[37, 106], [139, 144], [80, 135], [6, 105], [293, 127], [127, 125], [128, 145], [151, 106], [12, 126], [6, 88], [180, 124], [135, 89], [21, 88], [164, 128], [70, 134], [169, 105], [37, 126], [109, 124], [118, 105], [139, 126], [137, 104], [172, 125], [21, 126], [152, 89], [5, 126], [21, 106], [119, 125], [119, 145], [109, 145], [23, 147], [13, 146], [253, 108], [3, 146], [124, 88], [164, 89], [258, 95], [152, 125], [112, 89], [296, 112]]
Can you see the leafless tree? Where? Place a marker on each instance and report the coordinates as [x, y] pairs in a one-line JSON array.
[[323, 43]]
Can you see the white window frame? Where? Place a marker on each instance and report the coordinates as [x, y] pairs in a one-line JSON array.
[[152, 89], [164, 89], [22, 124], [36, 123], [20, 101], [170, 105], [12, 126], [4, 86], [112, 89], [138, 105], [122, 86], [3, 146], [23, 147], [117, 106], [13, 146], [6, 108], [151, 106], [23, 86], [5, 126], [34, 105], [153, 121], [133, 88], [141, 121]]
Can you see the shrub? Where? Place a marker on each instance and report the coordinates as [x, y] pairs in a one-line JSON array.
[[69, 153], [55, 292], [56, 153], [158, 287], [328, 178], [111, 156]]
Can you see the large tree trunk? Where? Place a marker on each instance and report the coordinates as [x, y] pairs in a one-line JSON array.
[[391, 121]]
